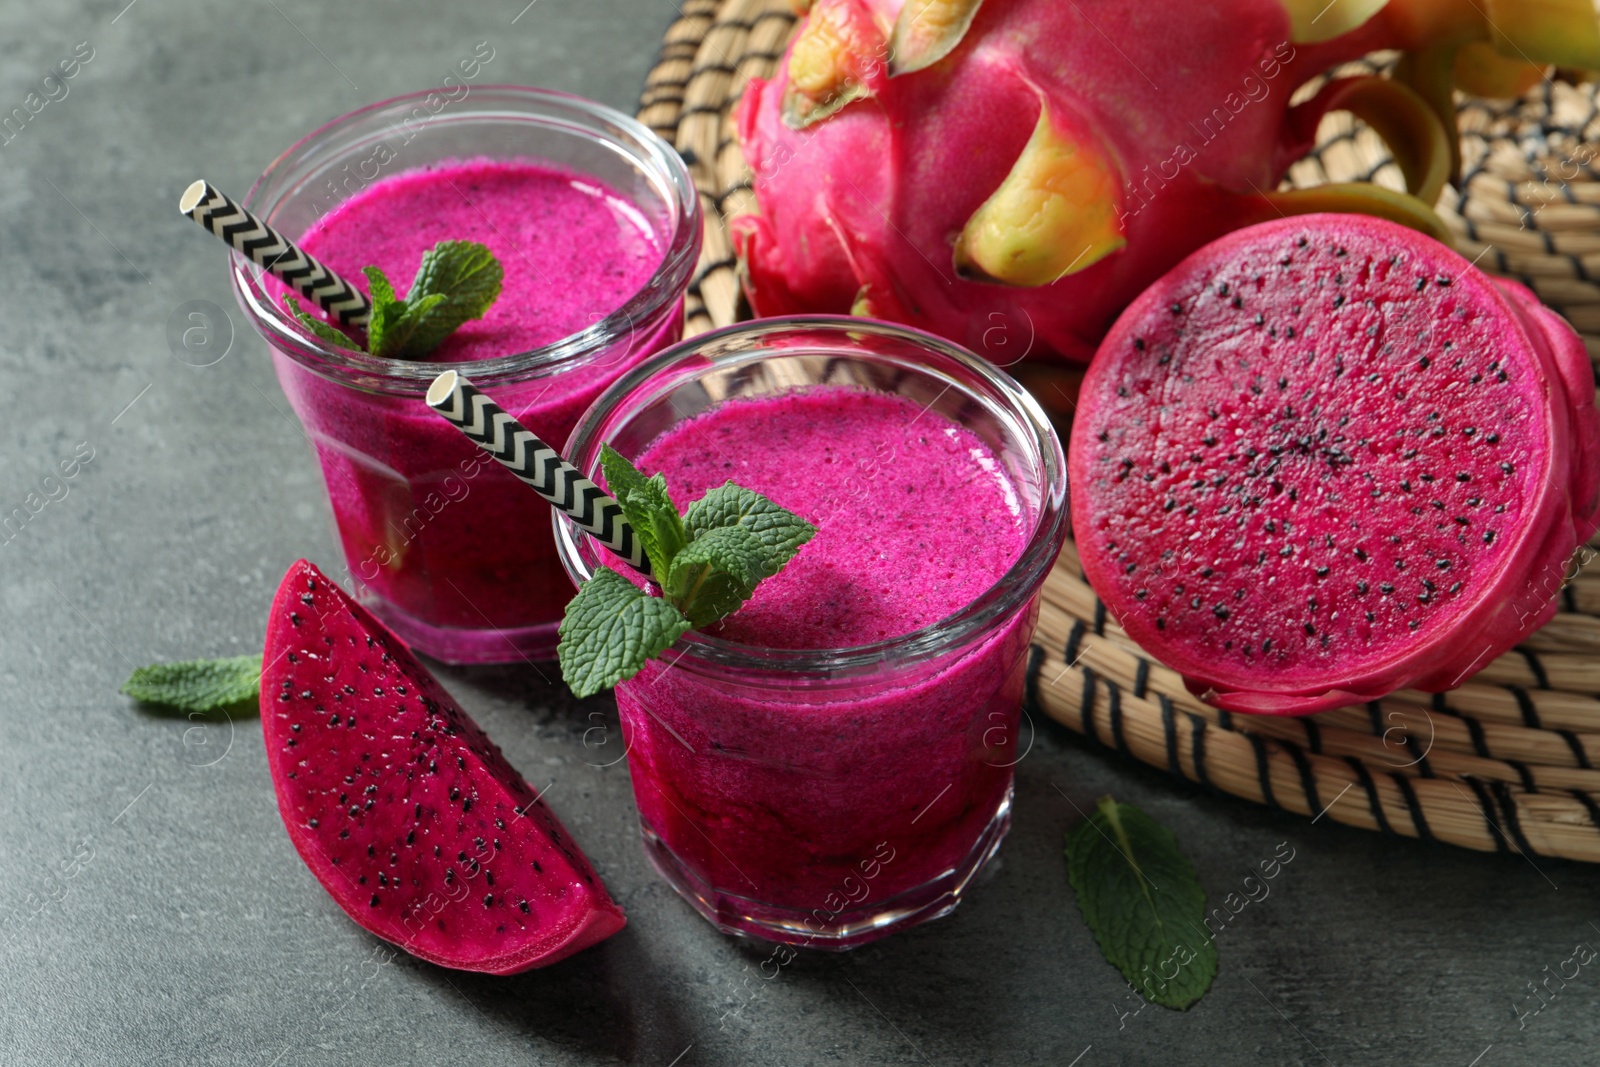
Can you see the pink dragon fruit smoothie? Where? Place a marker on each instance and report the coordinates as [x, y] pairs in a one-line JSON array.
[[834, 760], [595, 225], [451, 560]]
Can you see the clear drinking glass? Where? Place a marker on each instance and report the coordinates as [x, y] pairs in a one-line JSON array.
[[827, 797], [444, 545]]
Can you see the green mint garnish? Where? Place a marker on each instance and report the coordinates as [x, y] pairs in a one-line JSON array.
[[206, 686], [467, 276], [1143, 900], [714, 574], [708, 562], [780, 533], [330, 334], [648, 508], [610, 629], [457, 281]]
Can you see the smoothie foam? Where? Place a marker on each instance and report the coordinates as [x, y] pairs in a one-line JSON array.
[[573, 250], [914, 516], [827, 800]]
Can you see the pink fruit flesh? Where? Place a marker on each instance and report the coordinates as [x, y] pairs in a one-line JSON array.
[[407, 814], [1324, 459]]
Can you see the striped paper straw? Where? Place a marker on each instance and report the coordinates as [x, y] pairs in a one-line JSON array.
[[270, 250], [536, 463]]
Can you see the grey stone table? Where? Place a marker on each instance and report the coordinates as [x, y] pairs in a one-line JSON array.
[[152, 909]]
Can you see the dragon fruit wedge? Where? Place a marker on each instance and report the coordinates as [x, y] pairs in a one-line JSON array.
[[1011, 173], [407, 814], [1325, 458]]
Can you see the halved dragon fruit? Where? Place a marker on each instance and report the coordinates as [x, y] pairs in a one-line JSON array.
[[1325, 458], [1011, 173], [407, 814]]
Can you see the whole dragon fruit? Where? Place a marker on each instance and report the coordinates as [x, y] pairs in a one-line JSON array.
[[1011, 172]]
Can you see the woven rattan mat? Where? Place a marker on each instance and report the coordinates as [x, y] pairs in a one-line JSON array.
[[1504, 763]]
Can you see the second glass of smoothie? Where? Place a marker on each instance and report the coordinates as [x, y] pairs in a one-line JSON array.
[[597, 227], [834, 760]]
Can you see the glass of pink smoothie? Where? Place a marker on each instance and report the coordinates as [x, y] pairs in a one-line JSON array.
[[597, 226], [834, 761]]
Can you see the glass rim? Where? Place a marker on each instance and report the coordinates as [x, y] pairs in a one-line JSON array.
[[1001, 599], [664, 288]]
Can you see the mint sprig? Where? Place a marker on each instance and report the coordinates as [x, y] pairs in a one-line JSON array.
[[647, 507], [467, 276], [707, 562], [328, 333], [1144, 903], [780, 533], [610, 629], [715, 574], [458, 281], [203, 686]]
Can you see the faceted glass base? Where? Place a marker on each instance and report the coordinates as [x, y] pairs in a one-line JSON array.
[[820, 928]]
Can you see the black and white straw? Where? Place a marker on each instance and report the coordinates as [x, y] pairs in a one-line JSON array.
[[537, 464], [270, 250]]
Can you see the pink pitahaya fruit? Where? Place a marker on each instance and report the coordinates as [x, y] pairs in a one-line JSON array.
[[1010, 173], [407, 814], [1325, 458]]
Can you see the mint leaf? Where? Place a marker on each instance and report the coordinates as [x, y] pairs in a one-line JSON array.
[[457, 281], [206, 686], [648, 508], [328, 333], [779, 532], [387, 311], [1143, 900], [656, 521], [707, 562], [468, 278], [611, 628], [716, 573], [465, 271], [430, 319], [399, 338], [381, 293], [621, 474]]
